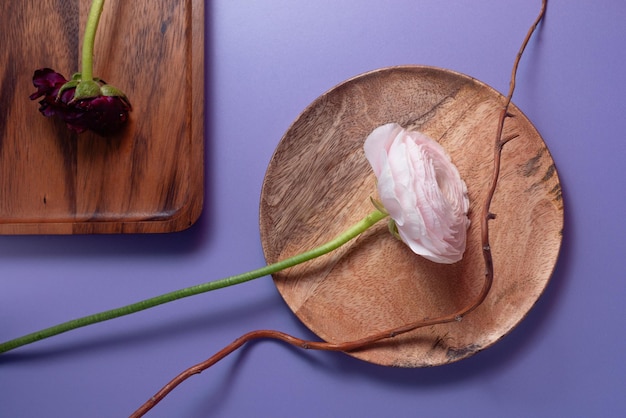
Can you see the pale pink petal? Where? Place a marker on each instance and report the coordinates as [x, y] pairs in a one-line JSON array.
[[422, 191]]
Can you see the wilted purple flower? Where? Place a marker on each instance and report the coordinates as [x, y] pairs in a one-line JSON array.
[[102, 113]]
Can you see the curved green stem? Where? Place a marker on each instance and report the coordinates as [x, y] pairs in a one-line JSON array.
[[89, 39], [346, 236]]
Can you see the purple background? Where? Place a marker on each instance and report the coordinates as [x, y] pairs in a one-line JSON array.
[[266, 61]]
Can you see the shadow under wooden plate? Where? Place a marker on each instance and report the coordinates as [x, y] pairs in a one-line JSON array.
[[319, 183], [149, 178]]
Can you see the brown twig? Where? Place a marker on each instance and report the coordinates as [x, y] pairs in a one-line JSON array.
[[486, 216]]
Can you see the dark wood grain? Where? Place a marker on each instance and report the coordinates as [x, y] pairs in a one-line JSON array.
[[149, 178], [318, 183]]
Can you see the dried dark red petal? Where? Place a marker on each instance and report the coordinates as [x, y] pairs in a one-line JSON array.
[[103, 114], [48, 83]]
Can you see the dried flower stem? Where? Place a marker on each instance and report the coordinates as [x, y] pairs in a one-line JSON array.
[[486, 216]]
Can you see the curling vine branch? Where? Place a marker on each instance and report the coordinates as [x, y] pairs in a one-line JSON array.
[[350, 346]]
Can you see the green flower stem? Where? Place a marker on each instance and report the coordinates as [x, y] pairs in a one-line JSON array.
[[346, 236], [89, 39]]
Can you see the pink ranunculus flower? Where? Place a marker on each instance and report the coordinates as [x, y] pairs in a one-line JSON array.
[[422, 191]]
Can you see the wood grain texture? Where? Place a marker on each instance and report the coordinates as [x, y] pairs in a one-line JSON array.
[[318, 183], [148, 178]]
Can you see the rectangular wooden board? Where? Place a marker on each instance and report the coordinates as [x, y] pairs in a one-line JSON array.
[[148, 178]]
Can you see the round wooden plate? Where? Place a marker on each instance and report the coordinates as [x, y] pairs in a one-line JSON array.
[[319, 183]]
